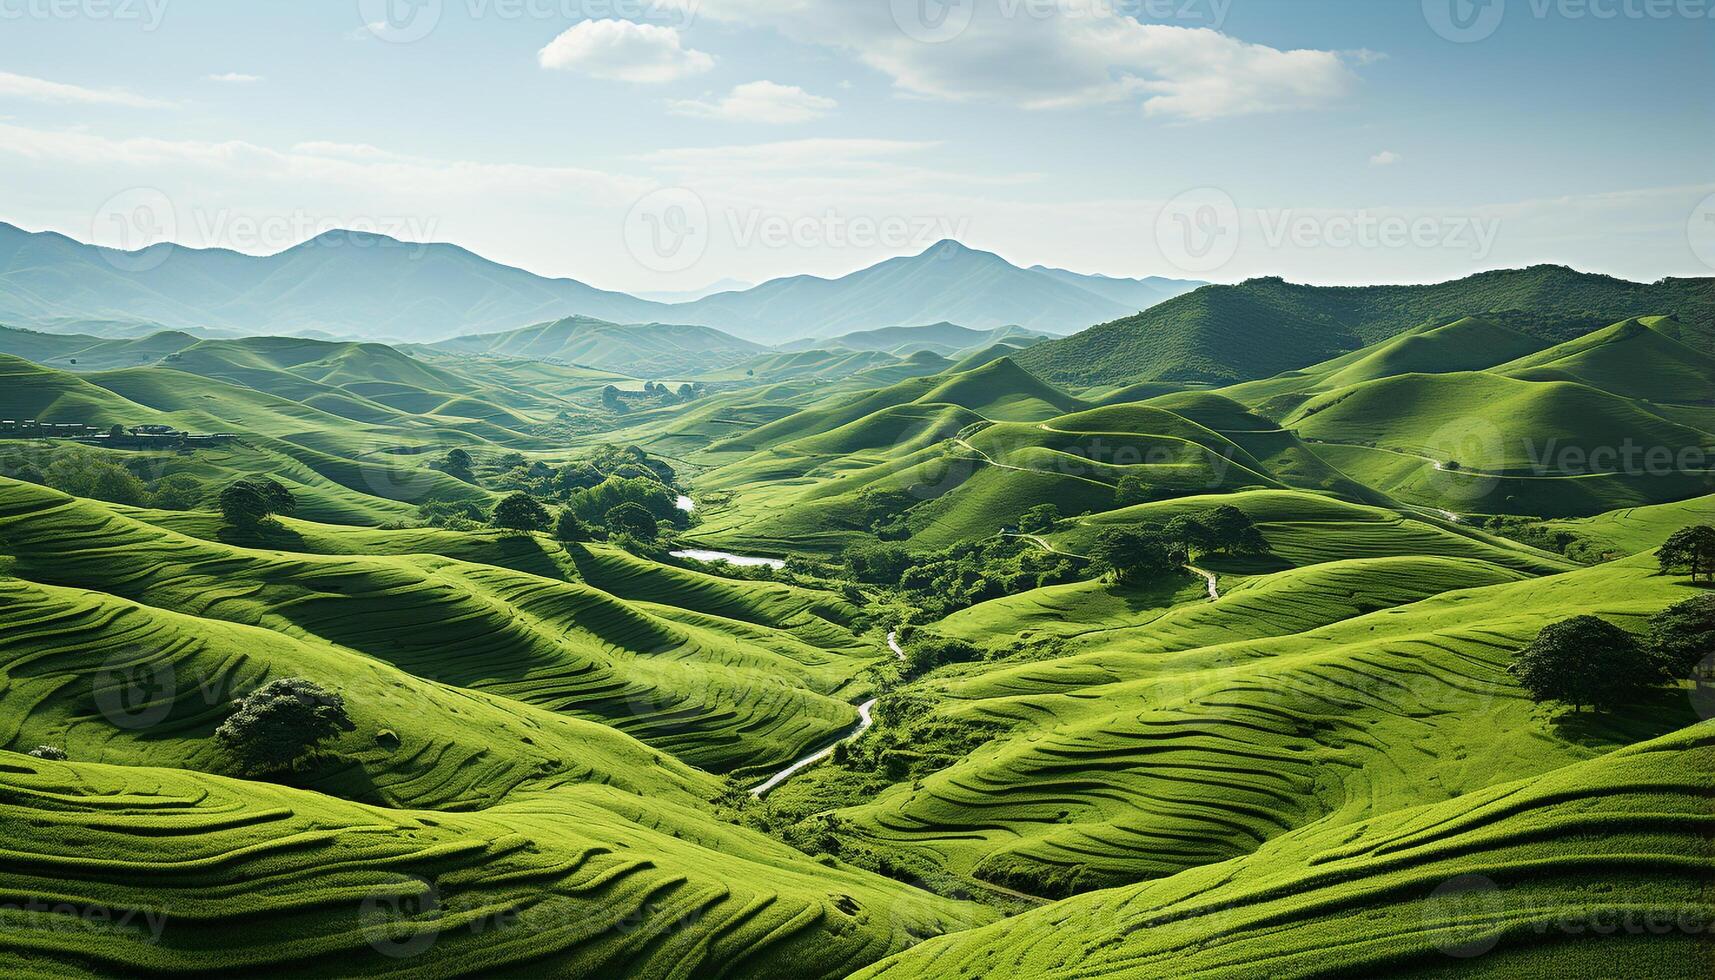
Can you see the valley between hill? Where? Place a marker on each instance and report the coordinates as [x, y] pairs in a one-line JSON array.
[[1059, 664]]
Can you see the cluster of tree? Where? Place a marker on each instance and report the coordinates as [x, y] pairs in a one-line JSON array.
[[943, 582], [926, 651], [513, 471], [1690, 549], [247, 503], [615, 400], [887, 512], [1588, 661], [281, 724], [523, 513], [1139, 553], [87, 474]]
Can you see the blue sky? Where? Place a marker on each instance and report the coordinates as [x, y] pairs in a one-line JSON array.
[[666, 144]]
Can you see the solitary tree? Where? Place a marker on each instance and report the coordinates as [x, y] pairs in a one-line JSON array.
[[634, 519], [1690, 549], [520, 512], [1682, 637], [1038, 519], [567, 527], [1134, 554], [248, 503], [282, 722], [1189, 533], [1584, 661], [1232, 531], [1133, 490], [458, 463]]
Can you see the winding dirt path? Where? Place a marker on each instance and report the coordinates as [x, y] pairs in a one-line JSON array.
[[1210, 577], [866, 720]]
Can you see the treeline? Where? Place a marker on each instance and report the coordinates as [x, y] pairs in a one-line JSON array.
[[86, 474], [616, 490], [944, 581]]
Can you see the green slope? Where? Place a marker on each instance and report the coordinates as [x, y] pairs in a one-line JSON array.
[[1599, 869], [720, 692], [1260, 328], [203, 875]]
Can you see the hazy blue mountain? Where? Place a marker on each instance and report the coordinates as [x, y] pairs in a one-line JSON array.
[[948, 339], [359, 285], [1140, 294], [947, 282], [728, 285], [341, 283]]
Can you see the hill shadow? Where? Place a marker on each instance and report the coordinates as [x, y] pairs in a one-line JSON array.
[[266, 536], [1660, 712]]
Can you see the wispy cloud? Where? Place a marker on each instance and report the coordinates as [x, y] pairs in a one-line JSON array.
[[1064, 56], [759, 102], [41, 90], [235, 78], [1385, 158]]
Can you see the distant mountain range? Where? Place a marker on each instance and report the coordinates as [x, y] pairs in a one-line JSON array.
[[353, 284], [946, 339], [947, 282]]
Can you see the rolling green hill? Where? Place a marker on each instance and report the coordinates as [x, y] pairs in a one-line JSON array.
[[649, 350], [594, 758], [1573, 873], [1260, 328]]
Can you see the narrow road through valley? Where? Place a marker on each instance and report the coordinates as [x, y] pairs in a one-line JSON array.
[[866, 720]]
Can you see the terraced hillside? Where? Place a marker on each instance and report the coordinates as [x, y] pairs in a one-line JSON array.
[[1598, 868], [941, 740], [1163, 737], [722, 692]]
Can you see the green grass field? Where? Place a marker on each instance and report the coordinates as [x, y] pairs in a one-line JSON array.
[[1322, 767]]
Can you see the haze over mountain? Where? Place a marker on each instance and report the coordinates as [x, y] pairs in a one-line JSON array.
[[948, 281], [942, 338], [355, 284], [641, 349]]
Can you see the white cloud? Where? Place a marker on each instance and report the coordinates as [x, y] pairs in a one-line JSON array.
[[625, 51], [235, 78], [1385, 158], [1061, 55], [315, 164], [760, 102], [42, 90]]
